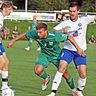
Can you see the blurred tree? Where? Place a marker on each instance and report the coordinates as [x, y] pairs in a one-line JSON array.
[[20, 4], [50, 5]]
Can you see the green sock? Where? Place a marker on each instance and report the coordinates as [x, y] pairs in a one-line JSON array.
[[70, 82], [43, 75], [30, 44], [38, 46]]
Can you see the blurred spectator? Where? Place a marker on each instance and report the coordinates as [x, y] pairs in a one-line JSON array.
[[92, 40], [15, 32], [5, 33]]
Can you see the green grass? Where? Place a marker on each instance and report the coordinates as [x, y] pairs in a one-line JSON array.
[[26, 83]]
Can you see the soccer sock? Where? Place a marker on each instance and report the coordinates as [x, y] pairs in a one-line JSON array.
[[81, 84], [56, 81], [70, 82], [43, 75], [4, 79], [29, 44]]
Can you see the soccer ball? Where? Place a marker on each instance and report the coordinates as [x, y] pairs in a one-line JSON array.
[[7, 92]]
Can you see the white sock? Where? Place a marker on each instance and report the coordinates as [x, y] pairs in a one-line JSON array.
[[81, 83], [52, 93], [57, 80], [4, 76]]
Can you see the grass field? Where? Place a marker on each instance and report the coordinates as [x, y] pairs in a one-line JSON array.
[[26, 83]]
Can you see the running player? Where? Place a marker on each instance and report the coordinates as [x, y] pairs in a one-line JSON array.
[[5, 10], [49, 41], [77, 26]]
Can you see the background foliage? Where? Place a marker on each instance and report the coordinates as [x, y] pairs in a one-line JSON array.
[[50, 5]]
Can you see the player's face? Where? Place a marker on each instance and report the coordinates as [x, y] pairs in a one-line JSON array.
[[42, 33], [73, 11], [7, 11]]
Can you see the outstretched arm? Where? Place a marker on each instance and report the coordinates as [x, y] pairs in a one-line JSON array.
[[21, 36], [80, 51], [63, 30]]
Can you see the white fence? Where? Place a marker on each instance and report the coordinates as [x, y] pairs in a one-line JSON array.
[[43, 15]]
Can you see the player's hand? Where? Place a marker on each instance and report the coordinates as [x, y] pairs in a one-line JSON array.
[[10, 44], [81, 52], [65, 29]]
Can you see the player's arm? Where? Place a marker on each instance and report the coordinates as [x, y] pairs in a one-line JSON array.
[[61, 28], [80, 51], [21, 36], [64, 30]]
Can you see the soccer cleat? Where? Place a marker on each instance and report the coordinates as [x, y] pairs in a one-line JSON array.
[[38, 49], [74, 93], [51, 94], [7, 92], [79, 93], [45, 82], [27, 49]]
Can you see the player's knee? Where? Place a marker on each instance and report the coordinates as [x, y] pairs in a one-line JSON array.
[[7, 62], [83, 75], [38, 71], [62, 66], [62, 69]]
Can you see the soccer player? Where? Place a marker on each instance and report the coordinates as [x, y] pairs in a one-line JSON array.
[[34, 23], [49, 41], [77, 26], [5, 10]]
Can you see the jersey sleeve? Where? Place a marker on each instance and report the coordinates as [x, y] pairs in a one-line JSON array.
[[60, 37], [89, 19], [59, 26]]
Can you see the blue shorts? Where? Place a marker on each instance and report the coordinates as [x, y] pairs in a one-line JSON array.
[[69, 55], [2, 50]]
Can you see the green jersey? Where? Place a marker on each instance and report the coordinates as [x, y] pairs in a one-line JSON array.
[[50, 44]]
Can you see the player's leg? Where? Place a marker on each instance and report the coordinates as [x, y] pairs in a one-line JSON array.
[[4, 67], [58, 77], [70, 82], [65, 58], [41, 63], [82, 71], [5, 71], [29, 45], [82, 79]]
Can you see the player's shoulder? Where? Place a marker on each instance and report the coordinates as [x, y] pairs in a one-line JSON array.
[[52, 32], [83, 16]]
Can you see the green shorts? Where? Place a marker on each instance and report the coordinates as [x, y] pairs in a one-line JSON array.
[[45, 60]]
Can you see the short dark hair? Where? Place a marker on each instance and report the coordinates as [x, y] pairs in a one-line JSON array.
[[41, 25], [75, 4]]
